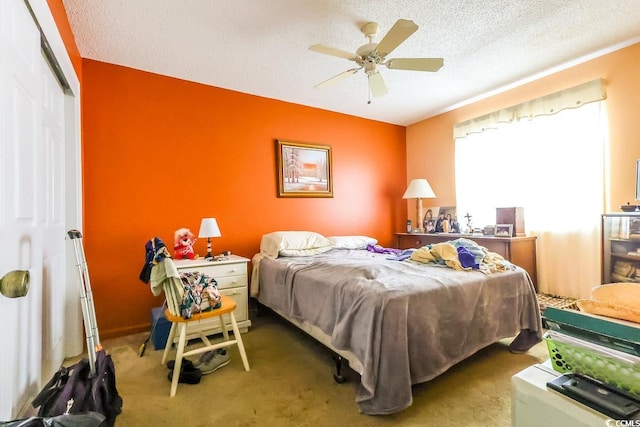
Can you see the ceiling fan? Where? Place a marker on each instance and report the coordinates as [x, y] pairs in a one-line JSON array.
[[370, 55]]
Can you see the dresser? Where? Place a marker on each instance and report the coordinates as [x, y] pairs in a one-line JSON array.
[[231, 275], [519, 250]]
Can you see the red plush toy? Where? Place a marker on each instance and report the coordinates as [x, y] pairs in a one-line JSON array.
[[183, 244]]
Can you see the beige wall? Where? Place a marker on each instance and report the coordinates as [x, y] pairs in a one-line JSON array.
[[430, 145]]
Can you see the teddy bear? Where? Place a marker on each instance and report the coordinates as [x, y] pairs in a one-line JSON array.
[[183, 244]]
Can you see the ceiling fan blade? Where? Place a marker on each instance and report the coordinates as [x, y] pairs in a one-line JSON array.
[[335, 79], [400, 31], [377, 85], [416, 64], [327, 50]]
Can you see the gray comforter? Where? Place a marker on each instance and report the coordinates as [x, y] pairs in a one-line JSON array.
[[406, 322]]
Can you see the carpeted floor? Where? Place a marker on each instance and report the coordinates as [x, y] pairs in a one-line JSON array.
[[291, 384]]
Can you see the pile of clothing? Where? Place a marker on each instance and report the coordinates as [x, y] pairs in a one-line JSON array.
[[462, 254]]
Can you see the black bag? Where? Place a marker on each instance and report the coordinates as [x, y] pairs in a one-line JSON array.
[[85, 419], [73, 390]]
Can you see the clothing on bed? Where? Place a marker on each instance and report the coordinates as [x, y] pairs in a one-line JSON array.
[[462, 254], [406, 322], [381, 250]]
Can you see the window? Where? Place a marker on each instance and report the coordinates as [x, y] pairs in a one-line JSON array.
[[553, 167]]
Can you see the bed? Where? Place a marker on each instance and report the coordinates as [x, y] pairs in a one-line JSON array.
[[397, 321]]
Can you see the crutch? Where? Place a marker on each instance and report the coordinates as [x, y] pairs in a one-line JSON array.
[[86, 300]]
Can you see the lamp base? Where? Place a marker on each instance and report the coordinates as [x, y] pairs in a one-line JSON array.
[[419, 213], [208, 255]]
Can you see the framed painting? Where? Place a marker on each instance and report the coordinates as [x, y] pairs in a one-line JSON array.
[[304, 170]]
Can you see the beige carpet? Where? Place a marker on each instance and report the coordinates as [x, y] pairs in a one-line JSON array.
[[291, 384]]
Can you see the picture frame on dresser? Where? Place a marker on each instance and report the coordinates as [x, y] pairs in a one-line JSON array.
[[429, 219], [503, 230], [304, 170]]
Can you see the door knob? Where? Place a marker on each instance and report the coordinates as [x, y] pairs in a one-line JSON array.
[[15, 284]]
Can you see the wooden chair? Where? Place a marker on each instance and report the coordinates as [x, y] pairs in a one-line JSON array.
[[179, 325]]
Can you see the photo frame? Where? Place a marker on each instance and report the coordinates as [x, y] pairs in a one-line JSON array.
[[447, 221], [448, 210], [304, 170], [429, 219], [503, 230]]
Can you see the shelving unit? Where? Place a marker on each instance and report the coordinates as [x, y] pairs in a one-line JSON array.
[[621, 247]]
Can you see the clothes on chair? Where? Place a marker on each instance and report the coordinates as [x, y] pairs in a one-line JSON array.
[[200, 293], [165, 276], [187, 293], [155, 251]]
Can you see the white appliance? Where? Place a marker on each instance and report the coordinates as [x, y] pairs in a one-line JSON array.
[[533, 404]]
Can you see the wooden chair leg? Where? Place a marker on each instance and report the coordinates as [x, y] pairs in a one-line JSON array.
[[178, 363], [169, 344], [238, 337], [223, 327]]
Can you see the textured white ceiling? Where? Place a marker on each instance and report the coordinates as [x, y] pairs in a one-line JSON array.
[[260, 47]]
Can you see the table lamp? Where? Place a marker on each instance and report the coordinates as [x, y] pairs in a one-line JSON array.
[[419, 189], [209, 228]]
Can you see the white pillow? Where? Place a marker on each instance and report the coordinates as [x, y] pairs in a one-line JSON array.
[[352, 242], [305, 252], [293, 243]]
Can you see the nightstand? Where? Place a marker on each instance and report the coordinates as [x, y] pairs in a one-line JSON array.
[[231, 275]]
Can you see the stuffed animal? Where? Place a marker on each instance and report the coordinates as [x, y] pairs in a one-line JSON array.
[[183, 244]]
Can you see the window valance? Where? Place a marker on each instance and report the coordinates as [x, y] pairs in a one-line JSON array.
[[574, 97]]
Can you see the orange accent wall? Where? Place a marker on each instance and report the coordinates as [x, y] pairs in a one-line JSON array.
[[60, 17], [162, 153], [430, 144]]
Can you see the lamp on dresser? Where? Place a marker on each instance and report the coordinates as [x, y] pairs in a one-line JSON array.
[[419, 189], [209, 228]]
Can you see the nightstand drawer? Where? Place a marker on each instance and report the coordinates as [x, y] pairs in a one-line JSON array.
[[219, 271], [241, 297], [231, 281]]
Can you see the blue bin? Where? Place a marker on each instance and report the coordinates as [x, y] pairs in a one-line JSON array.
[[161, 331]]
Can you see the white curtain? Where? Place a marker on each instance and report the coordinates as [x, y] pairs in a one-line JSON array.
[[553, 167]]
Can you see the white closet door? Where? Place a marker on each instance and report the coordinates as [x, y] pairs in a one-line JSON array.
[[31, 210]]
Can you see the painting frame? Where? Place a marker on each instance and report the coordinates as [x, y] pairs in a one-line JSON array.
[[304, 169]]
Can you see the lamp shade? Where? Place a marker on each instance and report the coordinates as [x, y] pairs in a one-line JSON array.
[[419, 189], [209, 228]]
